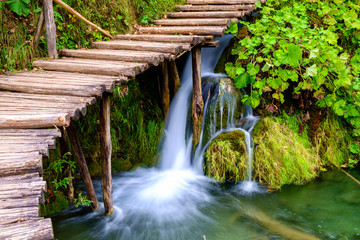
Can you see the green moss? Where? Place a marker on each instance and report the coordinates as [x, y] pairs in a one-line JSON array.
[[55, 206], [281, 155], [332, 142], [226, 157]]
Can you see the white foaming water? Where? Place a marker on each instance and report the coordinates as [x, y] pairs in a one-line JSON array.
[[171, 201]]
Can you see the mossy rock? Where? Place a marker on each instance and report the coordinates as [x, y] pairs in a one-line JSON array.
[[281, 155], [226, 157]]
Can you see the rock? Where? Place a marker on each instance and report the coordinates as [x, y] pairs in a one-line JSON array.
[[226, 157]]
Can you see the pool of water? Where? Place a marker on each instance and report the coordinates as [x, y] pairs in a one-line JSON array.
[[154, 204]]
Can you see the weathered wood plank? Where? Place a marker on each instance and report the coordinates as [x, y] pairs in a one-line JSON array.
[[231, 2], [111, 68], [215, 31], [211, 43], [163, 38], [172, 48], [35, 121], [20, 165], [50, 28], [31, 132], [35, 229], [19, 203], [215, 14], [194, 22], [206, 8], [153, 58]]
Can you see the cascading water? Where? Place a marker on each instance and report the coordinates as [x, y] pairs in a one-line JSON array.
[[148, 201]]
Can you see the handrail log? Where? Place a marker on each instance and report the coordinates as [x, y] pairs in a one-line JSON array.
[[78, 15]]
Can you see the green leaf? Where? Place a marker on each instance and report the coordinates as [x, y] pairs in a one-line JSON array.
[[258, 4], [252, 70], [253, 100], [233, 28], [311, 71], [243, 80], [314, 53], [338, 107], [20, 7], [292, 55], [266, 67], [274, 83], [293, 76]]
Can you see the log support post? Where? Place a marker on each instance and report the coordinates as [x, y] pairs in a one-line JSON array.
[[106, 147], [38, 31], [164, 88], [64, 149], [174, 78], [84, 172], [50, 28], [197, 101]]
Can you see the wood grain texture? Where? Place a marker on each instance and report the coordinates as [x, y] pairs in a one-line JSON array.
[[187, 30], [232, 2], [215, 14], [205, 8], [194, 22], [163, 38]]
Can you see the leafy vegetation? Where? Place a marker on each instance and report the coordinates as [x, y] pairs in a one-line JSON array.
[[302, 49]]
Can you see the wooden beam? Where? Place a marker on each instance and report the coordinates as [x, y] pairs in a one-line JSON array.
[[50, 28], [194, 22], [164, 88], [215, 31], [211, 43], [234, 14], [193, 40], [106, 148], [84, 171], [197, 101], [64, 149], [206, 8], [174, 78]]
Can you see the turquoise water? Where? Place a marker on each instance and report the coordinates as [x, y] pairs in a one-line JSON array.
[[184, 206]]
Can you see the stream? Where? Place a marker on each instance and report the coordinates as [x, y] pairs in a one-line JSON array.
[[176, 201]]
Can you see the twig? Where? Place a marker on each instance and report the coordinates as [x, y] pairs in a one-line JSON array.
[[348, 174]]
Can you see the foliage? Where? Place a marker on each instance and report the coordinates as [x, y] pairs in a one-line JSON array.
[[58, 203], [136, 127], [301, 46], [82, 200], [226, 157], [20, 7], [281, 155]]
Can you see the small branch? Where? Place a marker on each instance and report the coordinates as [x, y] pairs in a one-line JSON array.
[[78, 15], [348, 174]]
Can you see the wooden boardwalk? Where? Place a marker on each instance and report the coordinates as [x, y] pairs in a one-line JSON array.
[[33, 103]]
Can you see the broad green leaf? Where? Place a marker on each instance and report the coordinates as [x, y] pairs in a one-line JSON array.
[[258, 4], [293, 76], [233, 28], [252, 70], [314, 53], [230, 70], [20, 7], [242, 80], [274, 83], [266, 67], [292, 55], [311, 71], [331, 37], [253, 100], [283, 74], [279, 96], [338, 107]]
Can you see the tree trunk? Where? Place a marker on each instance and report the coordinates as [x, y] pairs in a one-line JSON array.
[[106, 147], [82, 165], [197, 102]]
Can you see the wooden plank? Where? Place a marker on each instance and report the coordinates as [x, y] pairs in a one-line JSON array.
[[59, 74], [31, 132], [34, 121], [20, 165], [152, 58], [34, 229], [206, 8], [172, 48], [188, 30], [163, 38], [23, 177], [49, 98], [19, 203], [194, 22], [220, 2], [234, 14], [14, 215], [92, 67]]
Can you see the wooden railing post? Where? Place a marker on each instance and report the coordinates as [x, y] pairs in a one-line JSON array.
[[197, 101], [106, 147], [84, 171], [174, 77], [50, 28], [65, 149], [164, 88]]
